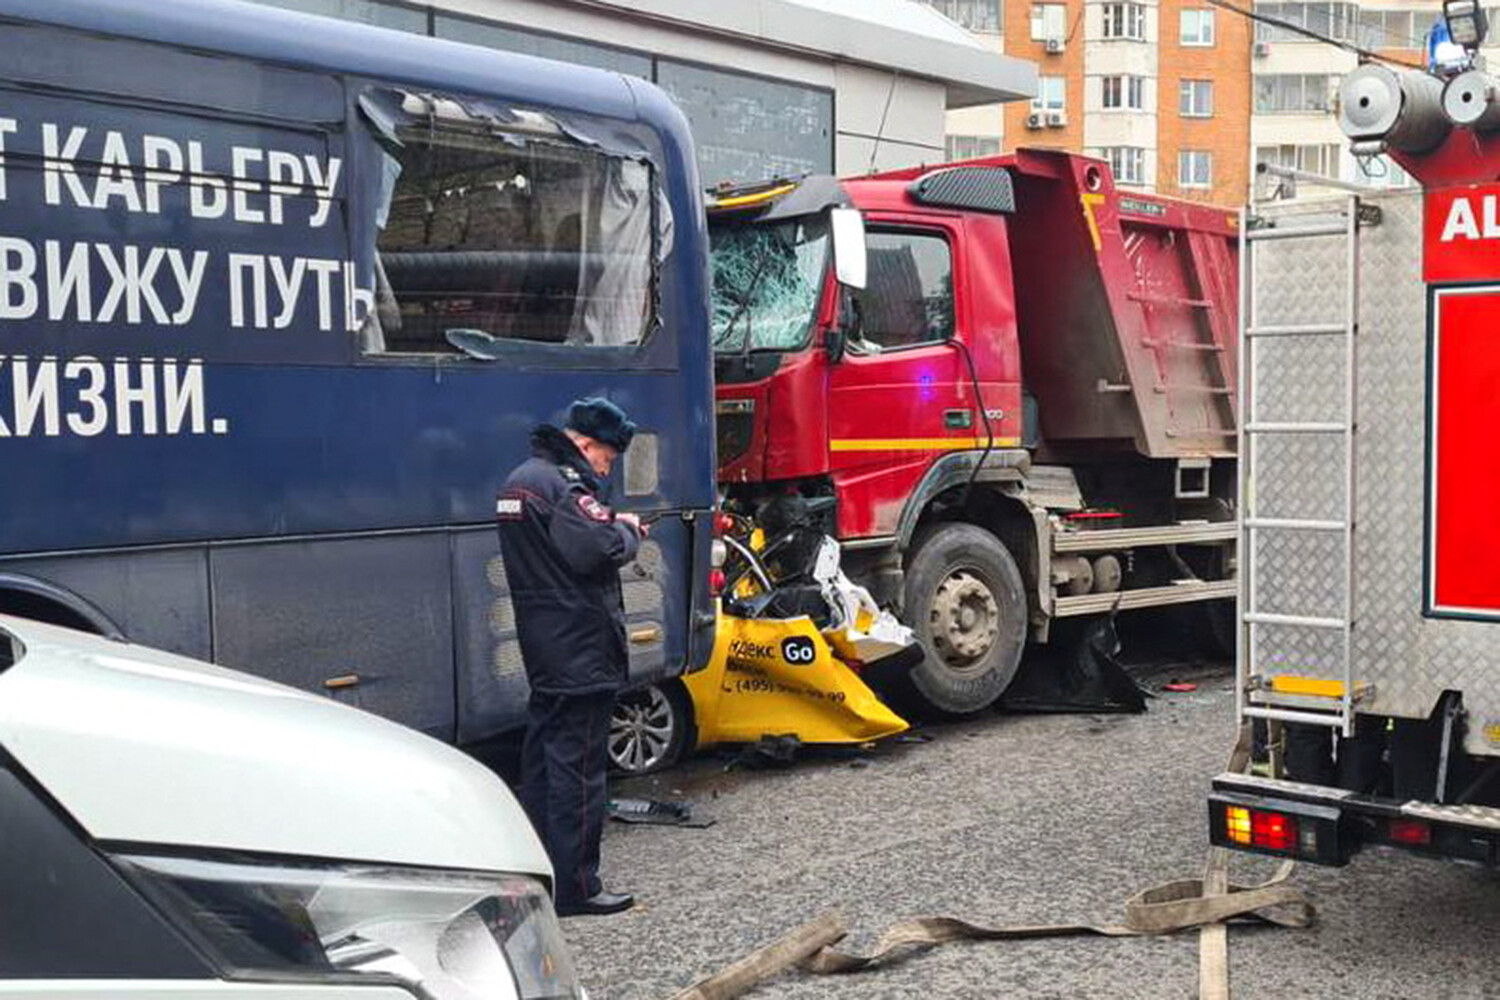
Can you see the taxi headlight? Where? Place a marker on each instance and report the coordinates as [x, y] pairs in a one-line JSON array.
[[447, 935]]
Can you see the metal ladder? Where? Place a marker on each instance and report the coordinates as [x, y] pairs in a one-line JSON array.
[[1255, 693]]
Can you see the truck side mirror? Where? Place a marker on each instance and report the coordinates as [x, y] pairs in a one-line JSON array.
[[849, 264]]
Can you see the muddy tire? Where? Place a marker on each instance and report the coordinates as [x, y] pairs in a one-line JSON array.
[[650, 729], [966, 601]]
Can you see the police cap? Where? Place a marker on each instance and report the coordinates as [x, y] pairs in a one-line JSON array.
[[601, 420]]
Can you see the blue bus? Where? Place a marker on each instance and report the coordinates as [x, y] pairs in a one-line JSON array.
[[280, 298]]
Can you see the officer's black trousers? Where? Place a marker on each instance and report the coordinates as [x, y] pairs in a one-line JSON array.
[[563, 767]]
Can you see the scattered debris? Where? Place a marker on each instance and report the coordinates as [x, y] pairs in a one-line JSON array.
[[1078, 671], [655, 813]]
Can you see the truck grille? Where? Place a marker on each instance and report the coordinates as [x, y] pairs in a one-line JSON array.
[[735, 430]]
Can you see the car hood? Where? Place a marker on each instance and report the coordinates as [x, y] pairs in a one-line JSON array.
[[155, 749]]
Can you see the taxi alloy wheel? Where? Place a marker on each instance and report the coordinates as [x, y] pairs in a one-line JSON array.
[[649, 728]]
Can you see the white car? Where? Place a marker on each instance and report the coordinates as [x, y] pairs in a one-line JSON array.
[[173, 829]]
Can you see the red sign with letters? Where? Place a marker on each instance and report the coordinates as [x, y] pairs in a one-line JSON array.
[[1463, 508], [1462, 234]]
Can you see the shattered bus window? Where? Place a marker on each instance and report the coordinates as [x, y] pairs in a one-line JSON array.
[[765, 283], [511, 236]]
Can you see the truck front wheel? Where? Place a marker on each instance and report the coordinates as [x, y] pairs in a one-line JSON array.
[[966, 601]]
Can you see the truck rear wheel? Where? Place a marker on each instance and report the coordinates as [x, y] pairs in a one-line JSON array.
[[966, 601]]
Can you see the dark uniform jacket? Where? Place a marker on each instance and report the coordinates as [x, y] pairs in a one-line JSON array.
[[563, 550]]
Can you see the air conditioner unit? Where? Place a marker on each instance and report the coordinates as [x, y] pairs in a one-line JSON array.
[[1057, 119], [1262, 49], [1034, 120], [1055, 46]]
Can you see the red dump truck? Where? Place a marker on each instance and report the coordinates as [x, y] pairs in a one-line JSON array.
[[1372, 378], [1011, 383]]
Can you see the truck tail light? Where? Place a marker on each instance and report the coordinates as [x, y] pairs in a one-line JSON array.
[[1411, 832], [1262, 829], [716, 581], [723, 524], [1310, 831]]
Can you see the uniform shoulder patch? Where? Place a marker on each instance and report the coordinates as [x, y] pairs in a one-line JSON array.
[[592, 508], [509, 508]]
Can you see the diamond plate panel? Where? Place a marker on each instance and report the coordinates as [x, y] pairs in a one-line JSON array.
[[1300, 652], [1410, 660], [1298, 475], [1299, 379], [1307, 570]]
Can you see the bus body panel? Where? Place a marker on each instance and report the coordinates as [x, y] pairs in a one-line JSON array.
[[201, 447]]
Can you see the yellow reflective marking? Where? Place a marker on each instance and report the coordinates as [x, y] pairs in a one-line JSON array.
[[1492, 733], [917, 444], [739, 201], [1310, 686], [1090, 200]]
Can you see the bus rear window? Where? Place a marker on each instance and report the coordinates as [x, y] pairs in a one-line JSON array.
[[517, 234]]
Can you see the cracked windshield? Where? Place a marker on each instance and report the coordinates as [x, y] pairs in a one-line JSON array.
[[765, 283]]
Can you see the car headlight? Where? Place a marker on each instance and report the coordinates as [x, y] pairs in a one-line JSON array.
[[448, 935]]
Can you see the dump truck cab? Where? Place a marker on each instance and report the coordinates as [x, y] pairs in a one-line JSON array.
[[976, 360]]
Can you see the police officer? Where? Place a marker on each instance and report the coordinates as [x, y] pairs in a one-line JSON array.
[[563, 549]]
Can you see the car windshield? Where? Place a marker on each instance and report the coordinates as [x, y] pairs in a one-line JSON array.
[[766, 279]]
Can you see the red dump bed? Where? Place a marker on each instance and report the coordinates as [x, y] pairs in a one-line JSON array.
[[1127, 308]]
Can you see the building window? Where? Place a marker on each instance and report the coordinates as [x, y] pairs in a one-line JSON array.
[[1125, 20], [747, 127], [508, 39], [1383, 172], [1197, 27], [1127, 163], [1282, 92], [1123, 92], [1051, 94], [1196, 99], [400, 16], [976, 15], [967, 147], [1392, 29], [1321, 159], [1338, 21], [1048, 20], [1195, 168]]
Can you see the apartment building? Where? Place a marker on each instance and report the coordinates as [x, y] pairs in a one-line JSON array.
[[1159, 88], [1187, 99]]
